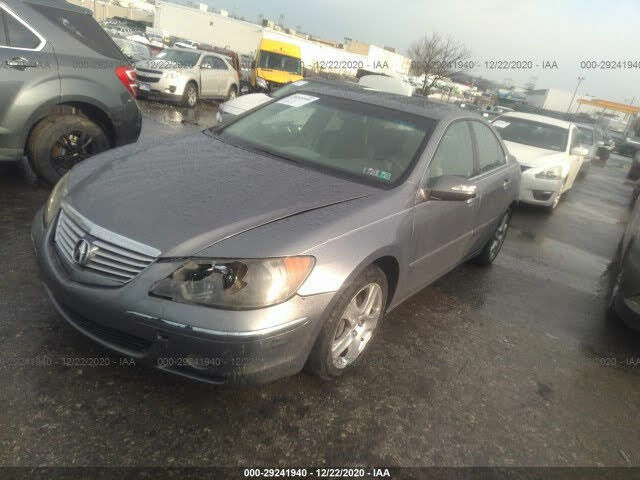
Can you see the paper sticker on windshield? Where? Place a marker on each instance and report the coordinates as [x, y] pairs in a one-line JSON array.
[[381, 174], [297, 100], [501, 124]]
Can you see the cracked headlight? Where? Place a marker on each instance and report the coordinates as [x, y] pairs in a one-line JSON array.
[[235, 284], [55, 198], [553, 173]]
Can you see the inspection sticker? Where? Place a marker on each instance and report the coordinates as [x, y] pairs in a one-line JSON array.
[[381, 174], [501, 124], [297, 100]]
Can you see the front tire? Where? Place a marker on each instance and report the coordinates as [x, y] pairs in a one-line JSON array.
[[59, 142], [233, 93], [190, 95], [351, 326]]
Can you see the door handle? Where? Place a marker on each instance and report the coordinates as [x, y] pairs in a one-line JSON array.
[[21, 63], [506, 184]]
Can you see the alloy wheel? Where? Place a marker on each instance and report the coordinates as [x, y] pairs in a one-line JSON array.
[[499, 236], [356, 325], [192, 96], [70, 149]]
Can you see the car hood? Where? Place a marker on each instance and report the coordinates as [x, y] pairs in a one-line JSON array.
[[244, 103], [529, 156], [191, 192]]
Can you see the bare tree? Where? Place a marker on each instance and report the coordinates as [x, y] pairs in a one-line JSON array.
[[436, 57]]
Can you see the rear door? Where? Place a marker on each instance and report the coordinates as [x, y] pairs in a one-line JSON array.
[[208, 77], [494, 182], [28, 78], [223, 74], [443, 229]]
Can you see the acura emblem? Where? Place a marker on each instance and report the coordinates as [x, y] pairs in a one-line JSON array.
[[84, 251]]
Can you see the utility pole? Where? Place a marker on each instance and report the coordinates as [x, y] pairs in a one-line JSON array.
[[580, 80]]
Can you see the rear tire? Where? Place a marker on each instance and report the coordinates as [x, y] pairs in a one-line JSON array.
[[59, 142], [494, 245], [351, 327], [190, 95]]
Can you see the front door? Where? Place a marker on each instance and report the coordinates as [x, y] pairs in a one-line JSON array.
[[443, 230], [575, 161]]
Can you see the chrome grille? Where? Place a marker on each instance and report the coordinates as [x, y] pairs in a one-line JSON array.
[[115, 257]]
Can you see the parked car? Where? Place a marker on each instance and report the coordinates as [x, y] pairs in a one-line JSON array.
[[279, 240], [587, 139], [185, 76], [624, 299], [66, 90], [385, 83], [187, 44], [604, 144], [548, 151], [245, 71], [134, 51]]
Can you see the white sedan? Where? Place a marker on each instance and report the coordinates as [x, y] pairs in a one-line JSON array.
[[549, 153]]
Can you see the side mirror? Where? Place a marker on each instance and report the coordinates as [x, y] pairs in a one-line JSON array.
[[447, 189], [579, 151], [253, 64]]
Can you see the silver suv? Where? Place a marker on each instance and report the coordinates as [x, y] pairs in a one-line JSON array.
[[66, 90], [185, 75]]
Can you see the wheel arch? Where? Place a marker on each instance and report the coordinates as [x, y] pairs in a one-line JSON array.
[[93, 112]]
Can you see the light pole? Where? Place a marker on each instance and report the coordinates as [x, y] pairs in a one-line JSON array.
[[580, 79]]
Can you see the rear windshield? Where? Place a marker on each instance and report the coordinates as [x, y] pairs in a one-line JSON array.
[[83, 28], [369, 143], [535, 134]]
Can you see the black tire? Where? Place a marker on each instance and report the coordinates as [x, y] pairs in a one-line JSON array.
[[320, 361], [190, 95], [233, 93], [489, 252], [59, 142]]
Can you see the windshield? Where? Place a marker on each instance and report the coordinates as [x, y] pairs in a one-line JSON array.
[[133, 50], [585, 136], [181, 58], [277, 61], [535, 134], [373, 144]]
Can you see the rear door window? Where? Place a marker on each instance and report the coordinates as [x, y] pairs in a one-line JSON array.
[[490, 153], [83, 28], [16, 35], [218, 64]]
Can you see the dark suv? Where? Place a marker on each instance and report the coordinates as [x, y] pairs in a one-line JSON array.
[[66, 90]]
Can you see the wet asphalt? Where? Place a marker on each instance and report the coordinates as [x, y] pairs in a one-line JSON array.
[[516, 364]]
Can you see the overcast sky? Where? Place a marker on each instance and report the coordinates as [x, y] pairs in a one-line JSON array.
[[565, 31]]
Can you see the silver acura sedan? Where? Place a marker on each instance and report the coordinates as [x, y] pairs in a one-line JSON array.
[[277, 241]]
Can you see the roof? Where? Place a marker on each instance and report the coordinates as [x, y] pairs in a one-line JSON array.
[[62, 4], [415, 105], [538, 118]]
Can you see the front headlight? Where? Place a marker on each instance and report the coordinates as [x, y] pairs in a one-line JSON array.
[[235, 284], [262, 83], [171, 74], [553, 173], [55, 198]]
